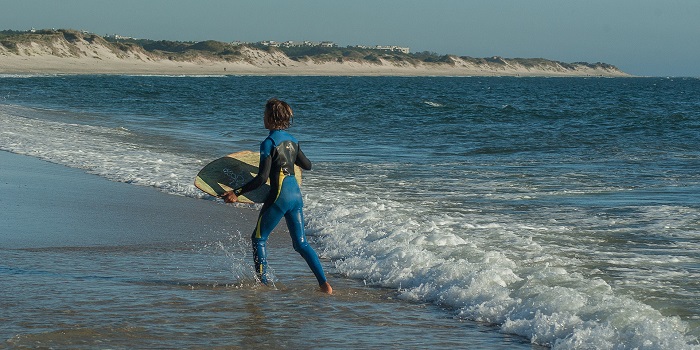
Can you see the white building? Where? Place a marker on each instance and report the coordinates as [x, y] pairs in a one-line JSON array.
[[393, 48], [305, 43], [118, 37]]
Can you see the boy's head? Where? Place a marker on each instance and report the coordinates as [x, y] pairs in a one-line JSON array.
[[278, 115]]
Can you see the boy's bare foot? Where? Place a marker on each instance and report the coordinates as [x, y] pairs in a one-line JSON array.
[[326, 288]]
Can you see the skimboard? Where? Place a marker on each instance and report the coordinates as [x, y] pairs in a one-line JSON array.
[[233, 171]]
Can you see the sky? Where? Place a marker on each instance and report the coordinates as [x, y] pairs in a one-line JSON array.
[[641, 37]]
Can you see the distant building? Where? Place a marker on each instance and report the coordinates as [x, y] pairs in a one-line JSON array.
[[289, 43], [392, 48], [298, 44], [117, 37]]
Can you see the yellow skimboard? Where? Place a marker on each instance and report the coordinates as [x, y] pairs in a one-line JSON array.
[[233, 171]]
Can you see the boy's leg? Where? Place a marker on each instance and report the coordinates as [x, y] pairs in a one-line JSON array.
[[295, 224], [267, 220]]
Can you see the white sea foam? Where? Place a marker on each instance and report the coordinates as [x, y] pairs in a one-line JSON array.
[[99, 150], [26, 75], [433, 104]]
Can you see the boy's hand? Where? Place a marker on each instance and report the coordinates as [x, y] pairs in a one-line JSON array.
[[229, 197]]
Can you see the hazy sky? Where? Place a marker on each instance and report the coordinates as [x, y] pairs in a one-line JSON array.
[[642, 37]]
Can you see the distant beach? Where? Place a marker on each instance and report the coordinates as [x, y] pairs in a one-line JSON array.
[[47, 64], [71, 52]]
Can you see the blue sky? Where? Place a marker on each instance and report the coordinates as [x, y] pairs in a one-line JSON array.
[[641, 37]]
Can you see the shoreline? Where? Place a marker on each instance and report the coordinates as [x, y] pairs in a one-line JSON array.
[[82, 209], [40, 63], [69, 66]]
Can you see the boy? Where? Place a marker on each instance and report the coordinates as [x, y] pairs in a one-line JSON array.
[[278, 154]]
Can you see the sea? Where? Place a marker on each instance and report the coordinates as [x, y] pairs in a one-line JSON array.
[[541, 212]]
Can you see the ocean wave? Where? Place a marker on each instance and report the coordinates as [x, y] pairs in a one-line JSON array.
[[102, 151], [487, 272], [433, 104], [27, 75]]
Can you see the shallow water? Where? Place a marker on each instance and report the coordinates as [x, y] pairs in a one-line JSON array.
[[131, 298]]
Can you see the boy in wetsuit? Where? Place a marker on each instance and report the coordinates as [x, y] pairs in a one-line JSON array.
[[278, 154]]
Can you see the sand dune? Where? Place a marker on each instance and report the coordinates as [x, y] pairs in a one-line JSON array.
[[91, 54]]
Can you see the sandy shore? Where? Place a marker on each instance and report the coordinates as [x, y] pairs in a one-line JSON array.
[[49, 205], [85, 58], [70, 65]]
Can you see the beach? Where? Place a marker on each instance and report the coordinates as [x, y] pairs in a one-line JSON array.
[[47, 64], [114, 265]]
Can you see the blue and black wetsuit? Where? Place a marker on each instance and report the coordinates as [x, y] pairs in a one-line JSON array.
[[278, 154]]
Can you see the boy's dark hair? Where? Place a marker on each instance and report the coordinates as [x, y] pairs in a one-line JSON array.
[[278, 114]]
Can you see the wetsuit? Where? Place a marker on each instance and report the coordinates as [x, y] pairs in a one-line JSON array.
[[278, 154]]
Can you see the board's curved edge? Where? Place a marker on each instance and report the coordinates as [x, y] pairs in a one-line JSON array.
[[202, 185]]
